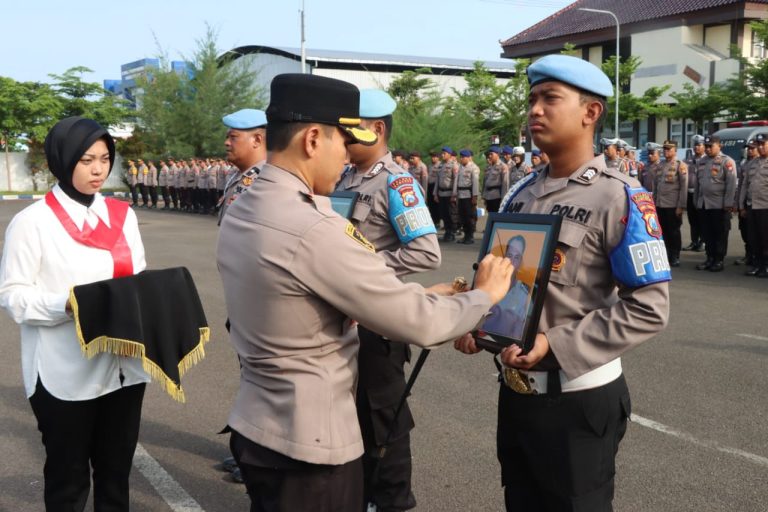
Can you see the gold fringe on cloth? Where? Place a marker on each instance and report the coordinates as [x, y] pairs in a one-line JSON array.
[[129, 348]]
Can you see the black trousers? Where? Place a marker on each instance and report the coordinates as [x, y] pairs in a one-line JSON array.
[[134, 193], [745, 236], [716, 224], [757, 220], [492, 205], [467, 216], [434, 209], [381, 385], [670, 228], [166, 196], [174, 196], [558, 452], [79, 435], [276, 483], [693, 220], [153, 194], [144, 194], [446, 214]]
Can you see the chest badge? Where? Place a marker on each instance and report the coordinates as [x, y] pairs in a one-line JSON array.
[[558, 261]]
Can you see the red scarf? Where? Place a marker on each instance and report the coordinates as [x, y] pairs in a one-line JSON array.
[[110, 239]]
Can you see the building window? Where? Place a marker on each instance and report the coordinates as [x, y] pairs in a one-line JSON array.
[[758, 48], [676, 129]]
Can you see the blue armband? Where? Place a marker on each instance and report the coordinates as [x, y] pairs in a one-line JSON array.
[[408, 211], [640, 258]]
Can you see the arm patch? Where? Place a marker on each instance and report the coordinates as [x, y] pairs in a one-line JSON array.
[[408, 212]]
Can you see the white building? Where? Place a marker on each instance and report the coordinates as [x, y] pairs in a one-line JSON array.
[[678, 41], [365, 70]]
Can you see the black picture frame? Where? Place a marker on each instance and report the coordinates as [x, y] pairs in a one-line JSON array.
[[515, 320], [343, 202]]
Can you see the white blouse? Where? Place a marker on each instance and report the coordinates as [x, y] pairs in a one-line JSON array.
[[41, 263]]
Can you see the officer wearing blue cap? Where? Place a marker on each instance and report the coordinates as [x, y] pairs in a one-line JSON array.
[[563, 402], [506, 155], [443, 193], [246, 146], [495, 179], [695, 166], [466, 189], [392, 214]]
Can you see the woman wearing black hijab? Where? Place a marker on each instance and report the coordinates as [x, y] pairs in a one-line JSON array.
[[88, 409]]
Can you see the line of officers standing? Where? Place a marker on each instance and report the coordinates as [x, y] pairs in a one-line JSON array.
[[452, 183], [194, 185]]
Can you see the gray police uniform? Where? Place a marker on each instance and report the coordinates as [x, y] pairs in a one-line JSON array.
[[754, 199], [670, 192], [237, 183], [443, 192], [495, 185], [142, 181], [381, 361], [434, 208], [508, 316], [648, 175], [716, 191], [516, 173], [596, 307]]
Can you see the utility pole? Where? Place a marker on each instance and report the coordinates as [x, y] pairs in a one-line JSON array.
[[303, 39]]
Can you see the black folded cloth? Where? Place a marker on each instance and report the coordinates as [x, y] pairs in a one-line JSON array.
[[155, 315]]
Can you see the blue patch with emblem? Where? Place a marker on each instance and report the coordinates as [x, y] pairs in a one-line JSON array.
[[640, 258], [408, 211]]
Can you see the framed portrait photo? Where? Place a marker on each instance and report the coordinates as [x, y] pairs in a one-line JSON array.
[[343, 202], [529, 240]]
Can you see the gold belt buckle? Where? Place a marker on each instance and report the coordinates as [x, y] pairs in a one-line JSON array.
[[517, 381]]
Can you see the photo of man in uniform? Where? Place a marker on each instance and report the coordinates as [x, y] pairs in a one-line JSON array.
[[508, 317]]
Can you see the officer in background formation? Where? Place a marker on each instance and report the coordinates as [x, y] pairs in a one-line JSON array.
[[716, 200], [670, 194], [495, 179], [246, 146], [564, 405], [443, 191], [181, 184], [612, 158], [133, 183], [694, 162], [399, 157], [752, 158], [387, 197], [506, 156], [151, 184], [647, 176], [466, 190], [518, 166], [537, 160], [753, 206], [163, 177], [433, 170], [418, 169], [143, 172], [283, 255]]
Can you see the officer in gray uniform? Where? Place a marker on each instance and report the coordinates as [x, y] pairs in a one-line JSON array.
[[133, 183], [297, 278], [143, 173], [163, 177], [466, 190], [564, 404], [443, 191], [753, 204], [612, 158], [418, 169], [391, 213], [517, 168], [647, 176], [246, 146], [715, 199], [670, 194], [151, 183], [495, 180], [434, 170], [694, 222], [744, 167]]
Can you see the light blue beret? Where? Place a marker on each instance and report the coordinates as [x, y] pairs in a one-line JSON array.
[[572, 71], [375, 104], [245, 119]]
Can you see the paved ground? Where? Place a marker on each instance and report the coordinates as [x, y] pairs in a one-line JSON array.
[[698, 443]]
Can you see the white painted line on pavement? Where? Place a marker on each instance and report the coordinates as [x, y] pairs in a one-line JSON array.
[[168, 488], [757, 459], [753, 336]]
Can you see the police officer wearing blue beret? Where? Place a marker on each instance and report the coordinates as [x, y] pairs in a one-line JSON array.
[[564, 404], [392, 214]]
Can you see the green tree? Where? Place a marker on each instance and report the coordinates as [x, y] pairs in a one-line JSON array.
[[631, 106], [410, 89], [697, 104], [180, 113], [88, 99]]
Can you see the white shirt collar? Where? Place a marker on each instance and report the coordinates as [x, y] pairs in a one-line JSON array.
[[79, 213]]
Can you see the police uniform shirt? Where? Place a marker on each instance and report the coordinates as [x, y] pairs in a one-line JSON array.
[[202, 177], [648, 175], [421, 174], [213, 177], [434, 169], [133, 175], [496, 181], [221, 176], [238, 183], [617, 163], [152, 176], [371, 215], [754, 191], [670, 189], [508, 316], [446, 177], [162, 177], [181, 176], [192, 172], [716, 183], [467, 182], [590, 317], [516, 173], [142, 175], [294, 274], [693, 163]]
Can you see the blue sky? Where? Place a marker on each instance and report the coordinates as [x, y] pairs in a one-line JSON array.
[[53, 35]]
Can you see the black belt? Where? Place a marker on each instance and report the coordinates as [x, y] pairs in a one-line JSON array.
[[465, 188], [493, 188]]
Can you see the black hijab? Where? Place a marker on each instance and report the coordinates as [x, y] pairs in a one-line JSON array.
[[66, 143]]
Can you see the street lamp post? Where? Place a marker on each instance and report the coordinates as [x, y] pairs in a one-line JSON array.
[[617, 63]]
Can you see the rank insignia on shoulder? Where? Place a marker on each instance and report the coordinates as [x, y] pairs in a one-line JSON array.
[[376, 169], [588, 175], [683, 169], [247, 181], [358, 237]]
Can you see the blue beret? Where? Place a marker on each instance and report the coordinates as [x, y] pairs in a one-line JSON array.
[[465, 152], [535, 152], [245, 119], [507, 150], [448, 150], [572, 71], [375, 104], [494, 149]]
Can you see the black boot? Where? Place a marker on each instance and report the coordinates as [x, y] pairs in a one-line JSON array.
[[449, 236], [752, 272], [706, 265], [763, 272], [717, 267]]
